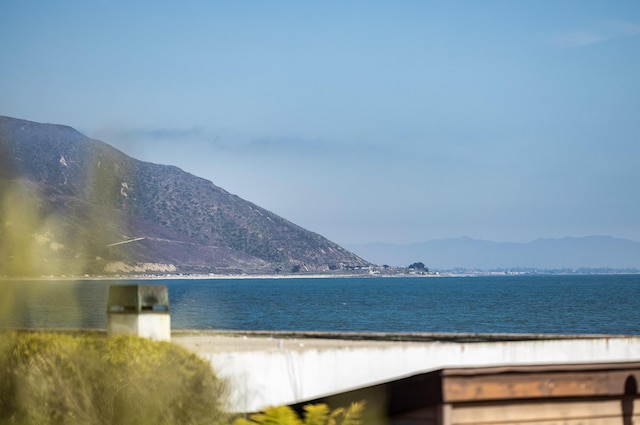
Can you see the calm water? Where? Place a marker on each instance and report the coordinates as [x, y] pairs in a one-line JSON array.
[[607, 304]]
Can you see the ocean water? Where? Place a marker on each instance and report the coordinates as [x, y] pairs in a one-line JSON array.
[[585, 304]]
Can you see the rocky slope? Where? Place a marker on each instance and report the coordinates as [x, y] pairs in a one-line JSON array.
[[72, 205]]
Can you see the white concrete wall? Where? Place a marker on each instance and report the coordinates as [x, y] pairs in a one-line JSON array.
[[265, 378], [154, 326]]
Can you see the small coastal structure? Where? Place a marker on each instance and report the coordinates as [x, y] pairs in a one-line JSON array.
[[141, 310]]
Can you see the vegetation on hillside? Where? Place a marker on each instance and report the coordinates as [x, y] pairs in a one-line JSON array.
[[89, 206]]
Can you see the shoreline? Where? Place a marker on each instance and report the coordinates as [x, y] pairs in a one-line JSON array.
[[218, 277], [470, 274]]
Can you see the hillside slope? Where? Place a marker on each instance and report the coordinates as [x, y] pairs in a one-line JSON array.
[[75, 205]]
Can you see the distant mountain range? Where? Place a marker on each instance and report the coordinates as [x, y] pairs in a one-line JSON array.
[[72, 205], [592, 252]]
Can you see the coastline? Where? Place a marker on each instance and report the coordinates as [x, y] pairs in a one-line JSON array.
[[213, 276]]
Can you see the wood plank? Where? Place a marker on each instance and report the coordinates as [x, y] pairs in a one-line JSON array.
[[586, 412], [532, 385]]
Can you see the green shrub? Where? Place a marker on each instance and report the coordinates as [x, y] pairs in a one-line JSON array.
[[314, 414], [52, 378]]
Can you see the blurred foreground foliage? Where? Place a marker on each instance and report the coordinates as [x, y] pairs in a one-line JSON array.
[[54, 378], [314, 414]]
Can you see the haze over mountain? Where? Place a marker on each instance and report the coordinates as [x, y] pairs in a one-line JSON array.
[[591, 252], [71, 205]]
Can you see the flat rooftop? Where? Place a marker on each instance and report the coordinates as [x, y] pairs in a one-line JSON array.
[[228, 341]]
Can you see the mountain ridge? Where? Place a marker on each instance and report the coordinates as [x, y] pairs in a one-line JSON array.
[[595, 251], [76, 205]]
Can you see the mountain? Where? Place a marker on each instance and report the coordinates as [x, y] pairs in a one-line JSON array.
[[592, 252], [72, 205]]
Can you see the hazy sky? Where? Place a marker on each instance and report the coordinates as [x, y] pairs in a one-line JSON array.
[[394, 121]]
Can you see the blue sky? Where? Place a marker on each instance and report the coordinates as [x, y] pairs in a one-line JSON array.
[[393, 121]]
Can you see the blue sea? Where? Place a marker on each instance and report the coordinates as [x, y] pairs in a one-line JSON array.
[[559, 304]]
